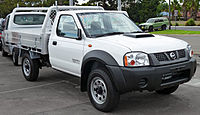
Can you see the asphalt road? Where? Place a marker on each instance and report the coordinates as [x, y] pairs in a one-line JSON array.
[[56, 93], [190, 28]]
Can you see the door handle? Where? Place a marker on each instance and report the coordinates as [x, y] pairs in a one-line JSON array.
[[54, 43]]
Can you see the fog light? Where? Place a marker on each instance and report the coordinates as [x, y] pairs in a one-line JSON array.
[[142, 83]]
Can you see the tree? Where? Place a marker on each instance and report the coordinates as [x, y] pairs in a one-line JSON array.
[[142, 10], [192, 6], [138, 10], [163, 7], [175, 5], [7, 6]]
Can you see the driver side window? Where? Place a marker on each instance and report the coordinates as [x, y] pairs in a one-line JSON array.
[[67, 27]]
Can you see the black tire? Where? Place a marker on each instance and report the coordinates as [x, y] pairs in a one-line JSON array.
[[30, 68], [164, 27], [112, 96], [167, 91], [151, 29], [4, 54], [15, 55], [0, 45]]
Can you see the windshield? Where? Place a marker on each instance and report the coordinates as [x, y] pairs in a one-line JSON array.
[[29, 19], [100, 24], [150, 21]]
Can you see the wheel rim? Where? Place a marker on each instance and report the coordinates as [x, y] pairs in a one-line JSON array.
[[98, 90], [26, 67]]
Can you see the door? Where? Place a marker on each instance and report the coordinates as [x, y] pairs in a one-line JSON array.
[[156, 24], [66, 51]]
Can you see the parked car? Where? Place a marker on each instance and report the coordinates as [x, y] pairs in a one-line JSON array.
[[155, 24], [109, 53], [1, 30]]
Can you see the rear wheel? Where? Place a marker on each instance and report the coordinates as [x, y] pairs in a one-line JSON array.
[[30, 68], [0, 45], [4, 54], [164, 27], [102, 93], [15, 55], [168, 90]]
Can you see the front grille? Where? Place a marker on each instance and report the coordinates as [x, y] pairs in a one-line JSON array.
[[170, 56], [161, 57], [181, 53]]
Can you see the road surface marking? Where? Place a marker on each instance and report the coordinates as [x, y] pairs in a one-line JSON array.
[[22, 89]]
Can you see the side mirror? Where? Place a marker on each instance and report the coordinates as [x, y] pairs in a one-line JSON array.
[[79, 34]]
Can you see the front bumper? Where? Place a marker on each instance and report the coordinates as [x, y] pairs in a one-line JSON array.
[[142, 27], [152, 78]]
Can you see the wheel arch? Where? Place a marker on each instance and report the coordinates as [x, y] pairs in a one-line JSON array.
[[164, 25], [95, 59]]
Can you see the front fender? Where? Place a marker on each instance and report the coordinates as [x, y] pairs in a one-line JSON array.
[[108, 61]]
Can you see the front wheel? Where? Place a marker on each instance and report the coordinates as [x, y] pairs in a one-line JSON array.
[[168, 90], [151, 29], [30, 68], [102, 93]]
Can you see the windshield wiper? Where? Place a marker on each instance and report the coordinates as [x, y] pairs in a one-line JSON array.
[[107, 34]]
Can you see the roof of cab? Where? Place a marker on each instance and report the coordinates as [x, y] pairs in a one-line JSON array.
[[92, 11]]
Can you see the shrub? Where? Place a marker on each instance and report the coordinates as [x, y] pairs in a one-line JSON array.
[[190, 22], [198, 24], [177, 24], [137, 23]]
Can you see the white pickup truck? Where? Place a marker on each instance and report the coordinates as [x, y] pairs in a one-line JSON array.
[[110, 54]]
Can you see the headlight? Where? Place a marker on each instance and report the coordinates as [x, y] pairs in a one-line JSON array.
[[135, 59], [190, 51]]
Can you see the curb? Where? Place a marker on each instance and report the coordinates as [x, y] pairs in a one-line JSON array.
[[187, 26], [172, 35]]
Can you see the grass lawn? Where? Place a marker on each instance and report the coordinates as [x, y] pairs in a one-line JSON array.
[[175, 32]]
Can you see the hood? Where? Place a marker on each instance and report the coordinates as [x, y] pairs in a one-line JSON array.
[[146, 24], [147, 44]]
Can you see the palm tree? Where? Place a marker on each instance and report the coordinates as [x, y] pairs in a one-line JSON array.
[[175, 6], [192, 6]]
